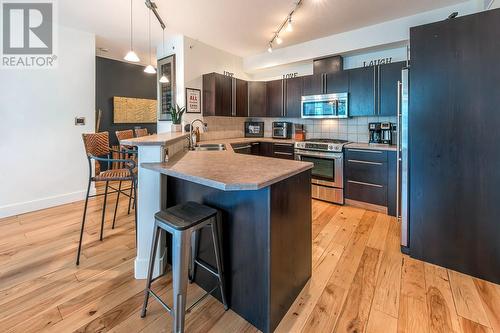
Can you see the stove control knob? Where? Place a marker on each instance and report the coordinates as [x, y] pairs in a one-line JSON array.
[[331, 147]]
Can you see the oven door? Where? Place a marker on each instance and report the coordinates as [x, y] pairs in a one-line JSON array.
[[328, 168]]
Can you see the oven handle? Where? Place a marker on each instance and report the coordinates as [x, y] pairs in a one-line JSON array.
[[333, 156]]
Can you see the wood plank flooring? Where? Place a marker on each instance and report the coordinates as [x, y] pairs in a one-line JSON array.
[[361, 282]]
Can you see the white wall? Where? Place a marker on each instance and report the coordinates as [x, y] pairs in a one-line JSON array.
[[495, 4], [43, 160], [193, 59], [387, 33]]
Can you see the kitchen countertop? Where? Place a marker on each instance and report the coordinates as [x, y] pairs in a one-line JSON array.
[[372, 146], [227, 170], [155, 139]]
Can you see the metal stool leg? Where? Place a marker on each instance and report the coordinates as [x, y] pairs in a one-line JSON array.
[[130, 196], [180, 267], [218, 259], [154, 246], [116, 205], [104, 209], [83, 225], [195, 238]]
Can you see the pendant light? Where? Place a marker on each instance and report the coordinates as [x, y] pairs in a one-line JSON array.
[[149, 68], [164, 78], [131, 55]]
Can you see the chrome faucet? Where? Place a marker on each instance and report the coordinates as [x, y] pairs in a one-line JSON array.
[[192, 142]]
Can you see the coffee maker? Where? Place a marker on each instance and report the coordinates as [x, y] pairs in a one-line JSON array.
[[375, 132], [388, 135]]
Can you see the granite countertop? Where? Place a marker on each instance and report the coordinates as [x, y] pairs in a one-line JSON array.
[[155, 139], [372, 146], [227, 170]]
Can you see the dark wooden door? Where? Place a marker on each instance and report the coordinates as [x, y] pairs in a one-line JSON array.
[[257, 101], [224, 93], [266, 149], [241, 94], [453, 144], [294, 89], [388, 77], [362, 92], [313, 84], [337, 82], [275, 98]]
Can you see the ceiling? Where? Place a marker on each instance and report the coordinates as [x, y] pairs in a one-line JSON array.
[[240, 27]]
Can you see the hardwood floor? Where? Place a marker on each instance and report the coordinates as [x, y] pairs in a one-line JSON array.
[[361, 282]]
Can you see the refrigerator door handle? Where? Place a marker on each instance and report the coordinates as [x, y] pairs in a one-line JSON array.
[[398, 159]]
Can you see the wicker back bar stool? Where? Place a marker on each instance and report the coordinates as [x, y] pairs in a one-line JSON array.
[[141, 132], [97, 149], [124, 135]]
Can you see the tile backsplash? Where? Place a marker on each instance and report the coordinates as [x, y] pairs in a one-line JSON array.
[[352, 129]]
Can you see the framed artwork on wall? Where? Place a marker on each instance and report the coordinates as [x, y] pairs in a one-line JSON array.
[[166, 87], [193, 100]]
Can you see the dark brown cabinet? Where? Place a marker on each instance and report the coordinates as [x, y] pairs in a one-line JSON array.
[[217, 95], [275, 105], [370, 177], [241, 94], [283, 150], [313, 84], [257, 99], [388, 77], [337, 82], [294, 91], [362, 93], [266, 149]]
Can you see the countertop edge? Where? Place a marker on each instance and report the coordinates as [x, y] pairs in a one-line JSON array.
[[218, 185], [141, 141], [370, 146]]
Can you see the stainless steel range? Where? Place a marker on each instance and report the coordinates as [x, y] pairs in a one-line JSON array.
[[327, 155]]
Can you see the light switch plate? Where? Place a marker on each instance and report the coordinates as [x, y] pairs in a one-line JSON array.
[[79, 121]]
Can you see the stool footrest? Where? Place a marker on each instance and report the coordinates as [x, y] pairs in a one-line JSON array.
[[206, 266], [202, 298], [152, 293]]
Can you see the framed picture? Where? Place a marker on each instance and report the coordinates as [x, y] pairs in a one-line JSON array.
[[193, 100], [166, 87]]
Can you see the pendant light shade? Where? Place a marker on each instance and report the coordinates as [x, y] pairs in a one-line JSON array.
[[131, 55], [150, 69], [164, 78]]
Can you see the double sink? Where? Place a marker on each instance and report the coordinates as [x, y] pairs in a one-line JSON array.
[[210, 147]]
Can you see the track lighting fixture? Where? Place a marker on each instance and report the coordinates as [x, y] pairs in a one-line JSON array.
[[289, 28]]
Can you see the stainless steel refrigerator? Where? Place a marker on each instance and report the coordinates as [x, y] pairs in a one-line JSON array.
[[402, 158]]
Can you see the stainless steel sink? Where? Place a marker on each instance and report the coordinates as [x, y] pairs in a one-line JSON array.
[[210, 147]]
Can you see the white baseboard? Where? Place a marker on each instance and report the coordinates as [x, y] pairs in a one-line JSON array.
[[33, 205], [141, 266]]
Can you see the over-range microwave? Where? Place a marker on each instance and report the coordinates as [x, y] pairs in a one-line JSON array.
[[325, 106]]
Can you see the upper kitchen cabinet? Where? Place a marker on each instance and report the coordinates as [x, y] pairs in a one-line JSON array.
[[294, 91], [241, 94], [388, 77], [337, 82], [275, 105], [257, 99], [217, 95], [313, 84], [362, 91]]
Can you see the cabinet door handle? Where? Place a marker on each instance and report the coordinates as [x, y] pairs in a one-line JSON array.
[[244, 147], [284, 144], [366, 151], [366, 184], [374, 90], [255, 143], [281, 153], [364, 162]]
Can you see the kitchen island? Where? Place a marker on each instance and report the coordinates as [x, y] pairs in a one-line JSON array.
[[265, 206]]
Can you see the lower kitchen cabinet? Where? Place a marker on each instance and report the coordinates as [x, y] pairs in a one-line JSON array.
[[266, 149], [283, 150], [370, 177]]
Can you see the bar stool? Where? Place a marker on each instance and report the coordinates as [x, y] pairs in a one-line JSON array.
[[182, 222], [141, 132]]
